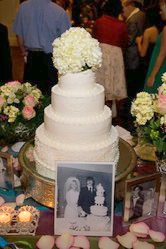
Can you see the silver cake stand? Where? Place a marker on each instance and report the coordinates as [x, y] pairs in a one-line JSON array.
[[42, 189]]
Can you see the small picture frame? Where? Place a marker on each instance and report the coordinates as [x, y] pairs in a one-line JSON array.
[[6, 171], [85, 198], [141, 198], [162, 198]]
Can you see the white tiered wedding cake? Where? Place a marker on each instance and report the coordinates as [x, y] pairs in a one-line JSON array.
[[98, 219], [77, 124]]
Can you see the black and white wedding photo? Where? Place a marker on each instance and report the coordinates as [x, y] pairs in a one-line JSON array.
[[85, 198], [141, 197]]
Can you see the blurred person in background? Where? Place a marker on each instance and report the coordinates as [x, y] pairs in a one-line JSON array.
[[5, 56], [146, 42], [157, 65], [135, 20], [112, 35], [37, 24]]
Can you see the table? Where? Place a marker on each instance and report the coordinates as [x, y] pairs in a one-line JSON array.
[[46, 227], [46, 222]]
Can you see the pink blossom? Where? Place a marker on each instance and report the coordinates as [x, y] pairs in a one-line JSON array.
[[29, 100], [14, 84], [2, 101], [28, 112], [161, 103]]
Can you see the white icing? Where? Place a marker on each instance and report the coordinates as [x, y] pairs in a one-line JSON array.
[[77, 82], [47, 151], [73, 105], [77, 130], [98, 223]]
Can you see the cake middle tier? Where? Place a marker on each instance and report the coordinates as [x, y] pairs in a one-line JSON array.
[[77, 130], [84, 103]]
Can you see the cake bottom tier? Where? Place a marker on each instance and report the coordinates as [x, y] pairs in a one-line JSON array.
[[48, 151], [97, 223], [99, 210]]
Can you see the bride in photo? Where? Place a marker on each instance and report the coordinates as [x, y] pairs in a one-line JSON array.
[[71, 193]]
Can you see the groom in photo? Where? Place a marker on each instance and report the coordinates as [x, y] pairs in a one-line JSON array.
[[86, 197]]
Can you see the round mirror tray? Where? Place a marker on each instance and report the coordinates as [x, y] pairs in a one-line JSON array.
[[42, 189]]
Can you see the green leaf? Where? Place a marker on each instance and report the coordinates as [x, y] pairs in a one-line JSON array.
[[23, 243]]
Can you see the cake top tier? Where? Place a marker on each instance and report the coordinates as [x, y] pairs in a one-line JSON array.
[[76, 51], [100, 190]]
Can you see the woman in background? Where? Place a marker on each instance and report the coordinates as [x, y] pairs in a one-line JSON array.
[[157, 64], [146, 42], [72, 190], [113, 36]]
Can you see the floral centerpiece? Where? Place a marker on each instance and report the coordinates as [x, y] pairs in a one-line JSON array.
[[149, 111], [76, 51], [21, 111]]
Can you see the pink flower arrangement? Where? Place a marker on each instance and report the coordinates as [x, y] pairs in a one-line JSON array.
[[21, 110], [149, 111]]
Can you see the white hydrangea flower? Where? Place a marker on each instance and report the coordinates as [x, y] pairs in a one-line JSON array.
[[12, 113], [36, 93], [163, 77], [142, 108], [6, 90], [76, 51], [12, 99], [27, 87], [163, 88], [163, 120]]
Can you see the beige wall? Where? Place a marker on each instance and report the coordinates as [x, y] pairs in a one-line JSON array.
[[8, 9]]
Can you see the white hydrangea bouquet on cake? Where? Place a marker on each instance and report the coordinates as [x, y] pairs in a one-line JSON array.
[[149, 111], [76, 51], [21, 110]]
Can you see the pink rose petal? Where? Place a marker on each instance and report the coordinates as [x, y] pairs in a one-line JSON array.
[[142, 245], [156, 236], [46, 242], [107, 243], [65, 241], [140, 229], [81, 241], [127, 239], [20, 199]]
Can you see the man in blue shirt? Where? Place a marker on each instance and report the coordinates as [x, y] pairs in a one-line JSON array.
[[37, 24]]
